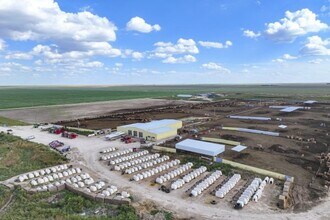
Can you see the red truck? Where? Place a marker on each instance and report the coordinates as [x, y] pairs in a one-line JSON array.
[[127, 139], [70, 135]]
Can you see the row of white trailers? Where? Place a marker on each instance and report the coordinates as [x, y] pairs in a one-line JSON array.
[[57, 176], [160, 164]]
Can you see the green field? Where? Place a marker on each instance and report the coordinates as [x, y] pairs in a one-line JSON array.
[[19, 156], [11, 122], [16, 97], [4, 195], [62, 205]]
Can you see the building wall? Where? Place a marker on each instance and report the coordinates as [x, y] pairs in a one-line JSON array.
[[167, 134], [176, 125], [152, 136]]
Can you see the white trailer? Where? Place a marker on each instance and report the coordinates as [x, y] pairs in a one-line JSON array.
[[114, 135]]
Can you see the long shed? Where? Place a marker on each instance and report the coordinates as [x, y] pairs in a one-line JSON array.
[[200, 147]]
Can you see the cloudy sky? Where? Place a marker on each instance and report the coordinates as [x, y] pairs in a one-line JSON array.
[[164, 42]]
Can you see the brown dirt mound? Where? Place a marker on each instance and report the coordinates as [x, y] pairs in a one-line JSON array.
[[262, 112], [281, 149], [242, 156], [233, 137]]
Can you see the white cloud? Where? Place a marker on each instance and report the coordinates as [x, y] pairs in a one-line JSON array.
[[182, 46], [140, 25], [86, 8], [316, 61], [50, 54], [184, 59], [92, 64], [44, 21], [293, 25], [316, 46], [118, 64], [218, 45], [278, 60], [215, 66], [288, 57], [251, 34], [13, 67], [325, 9], [2, 44], [159, 55], [19, 56], [137, 55], [134, 54]]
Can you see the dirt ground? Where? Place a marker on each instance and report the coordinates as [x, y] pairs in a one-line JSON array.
[[174, 110], [83, 110], [280, 154], [292, 157], [176, 202]]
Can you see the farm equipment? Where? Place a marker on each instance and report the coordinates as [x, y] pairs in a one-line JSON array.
[[63, 149], [59, 146], [177, 138], [55, 144], [56, 130], [127, 139], [30, 137], [70, 135]]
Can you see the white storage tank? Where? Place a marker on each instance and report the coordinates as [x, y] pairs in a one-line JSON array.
[[34, 182], [93, 188]]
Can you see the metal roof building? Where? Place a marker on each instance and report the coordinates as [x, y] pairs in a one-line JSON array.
[[290, 109], [310, 102], [250, 118], [287, 108], [200, 147], [239, 148], [154, 130], [184, 95]]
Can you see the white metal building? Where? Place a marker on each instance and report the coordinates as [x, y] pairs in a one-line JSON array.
[[200, 147], [250, 118], [154, 130]]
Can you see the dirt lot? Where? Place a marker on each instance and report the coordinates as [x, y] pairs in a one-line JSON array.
[[84, 110], [293, 157], [172, 110], [281, 154], [143, 192]]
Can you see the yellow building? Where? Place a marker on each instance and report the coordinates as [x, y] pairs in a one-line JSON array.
[[154, 130]]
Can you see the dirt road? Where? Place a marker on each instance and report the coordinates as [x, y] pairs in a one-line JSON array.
[[184, 208], [83, 110]]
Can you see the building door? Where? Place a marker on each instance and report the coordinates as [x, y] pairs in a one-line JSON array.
[[130, 132], [135, 133], [140, 134]]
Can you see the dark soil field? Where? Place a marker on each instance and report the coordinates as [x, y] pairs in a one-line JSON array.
[[292, 153]]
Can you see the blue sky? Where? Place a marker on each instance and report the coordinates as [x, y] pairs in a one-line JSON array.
[[47, 42]]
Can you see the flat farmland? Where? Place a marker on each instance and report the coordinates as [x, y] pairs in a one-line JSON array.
[[55, 113], [18, 97]]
